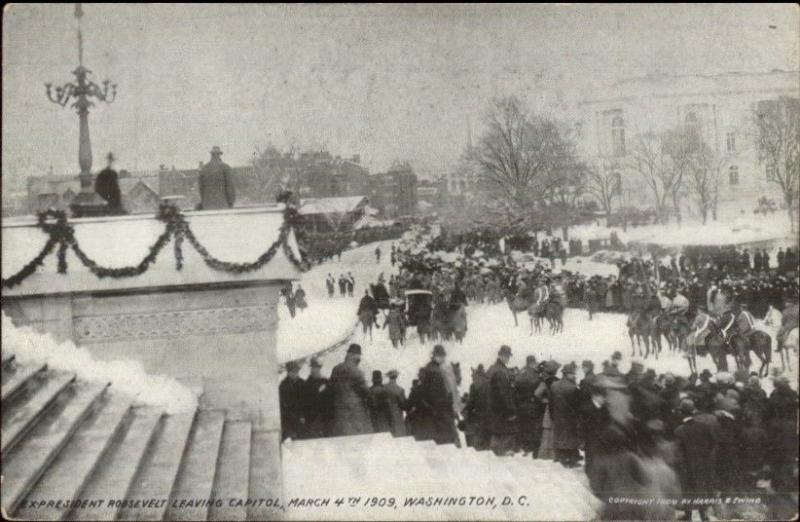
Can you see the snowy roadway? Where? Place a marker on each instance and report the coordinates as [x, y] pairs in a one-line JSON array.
[[327, 321]]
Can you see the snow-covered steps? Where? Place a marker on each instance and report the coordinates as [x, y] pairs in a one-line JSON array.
[[232, 480], [114, 474], [159, 469], [14, 378], [22, 411], [71, 469], [196, 477], [26, 461], [406, 479], [74, 450]]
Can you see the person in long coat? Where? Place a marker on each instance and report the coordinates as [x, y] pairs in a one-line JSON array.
[[697, 443], [396, 399], [217, 190], [319, 404], [503, 411], [782, 432], [564, 412], [351, 415], [529, 408], [459, 322], [107, 186], [436, 420], [292, 400], [396, 323], [476, 411], [379, 404]]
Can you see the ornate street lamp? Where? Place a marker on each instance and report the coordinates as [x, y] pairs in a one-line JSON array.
[[87, 202]]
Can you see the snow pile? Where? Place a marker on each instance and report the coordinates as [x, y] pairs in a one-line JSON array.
[[744, 229], [129, 377]]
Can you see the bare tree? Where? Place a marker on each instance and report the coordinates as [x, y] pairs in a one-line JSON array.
[[529, 161], [680, 147], [703, 179], [777, 141], [646, 158], [604, 185]]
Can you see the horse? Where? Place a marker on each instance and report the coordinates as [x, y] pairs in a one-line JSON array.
[[640, 328], [552, 312], [679, 330], [516, 305], [660, 328], [757, 342]]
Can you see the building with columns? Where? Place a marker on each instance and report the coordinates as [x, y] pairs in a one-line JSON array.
[[718, 107]]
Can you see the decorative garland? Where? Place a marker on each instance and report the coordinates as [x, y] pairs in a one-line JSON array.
[[62, 234]]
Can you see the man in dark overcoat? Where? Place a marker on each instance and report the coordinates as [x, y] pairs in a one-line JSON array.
[[396, 400], [107, 186], [436, 420], [529, 408], [217, 189], [476, 411], [564, 411], [379, 404], [292, 399], [697, 443], [351, 415], [319, 405], [503, 411]]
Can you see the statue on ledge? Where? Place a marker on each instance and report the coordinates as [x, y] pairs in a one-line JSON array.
[[107, 186], [216, 183]]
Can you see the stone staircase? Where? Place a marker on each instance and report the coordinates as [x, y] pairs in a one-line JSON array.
[[351, 471], [73, 450]]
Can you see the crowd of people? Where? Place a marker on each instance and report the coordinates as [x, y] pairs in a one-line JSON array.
[[638, 434], [321, 247]]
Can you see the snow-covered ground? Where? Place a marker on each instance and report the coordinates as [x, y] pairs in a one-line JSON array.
[[327, 321], [743, 229], [128, 376]]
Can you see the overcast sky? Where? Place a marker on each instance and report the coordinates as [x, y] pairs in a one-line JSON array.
[[384, 81]]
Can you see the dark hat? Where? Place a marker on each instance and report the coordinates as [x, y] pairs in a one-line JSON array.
[[616, 356], [569, 368], [529, 360], [292, 366], [551, 367], [706, 373], [354, 348], [687, 406], [377, 376], [587, 364], [505, 350], [438, 350], [392, 374], [216, 150], [315, 363]]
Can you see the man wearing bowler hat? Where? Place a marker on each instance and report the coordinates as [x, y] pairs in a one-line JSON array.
[[436, 418], [503, 412], [351, 415], [216, 183]]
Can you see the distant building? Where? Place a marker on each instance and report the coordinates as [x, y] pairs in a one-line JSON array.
[[337, 214], [140, 192], [394, 193], [717, 107]]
